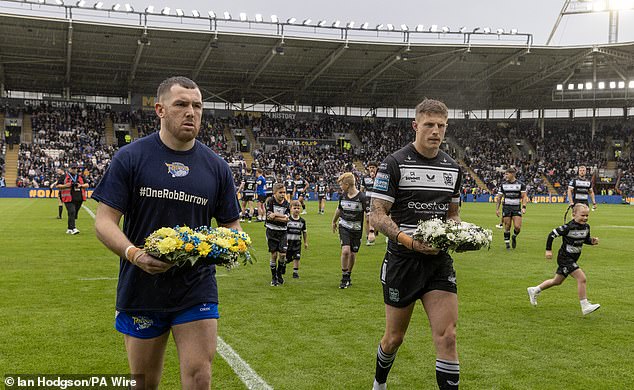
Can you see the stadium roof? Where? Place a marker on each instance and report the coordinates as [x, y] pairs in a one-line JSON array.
[[45, 54]]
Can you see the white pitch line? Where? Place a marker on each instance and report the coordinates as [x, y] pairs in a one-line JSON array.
[[247, 375], [99, 278]]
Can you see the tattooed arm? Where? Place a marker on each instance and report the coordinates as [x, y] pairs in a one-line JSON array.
[[380, 219], [454, 211]]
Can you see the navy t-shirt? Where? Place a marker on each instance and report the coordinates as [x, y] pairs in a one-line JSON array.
[[154, 186]]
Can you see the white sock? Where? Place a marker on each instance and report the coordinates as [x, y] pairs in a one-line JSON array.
[[538, 290], [584, 302]]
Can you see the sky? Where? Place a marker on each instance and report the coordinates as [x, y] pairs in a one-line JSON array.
[[535, 16]]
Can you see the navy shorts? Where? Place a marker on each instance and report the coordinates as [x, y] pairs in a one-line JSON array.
[[407, 279], [293, 254], [148, 325]]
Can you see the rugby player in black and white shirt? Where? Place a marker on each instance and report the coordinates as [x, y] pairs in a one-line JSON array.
[[277, 213], [574, 235], [580, 189], [514, 205], [301, 186], [322, 189], [418, 182], [366, 186], [349, 219]]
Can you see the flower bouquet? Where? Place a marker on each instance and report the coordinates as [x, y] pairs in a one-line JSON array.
[[181, 245], [452, 235]]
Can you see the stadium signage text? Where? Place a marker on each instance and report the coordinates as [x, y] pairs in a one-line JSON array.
[[282, 115]]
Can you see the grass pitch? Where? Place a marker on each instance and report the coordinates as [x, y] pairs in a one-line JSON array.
[[58, 292]]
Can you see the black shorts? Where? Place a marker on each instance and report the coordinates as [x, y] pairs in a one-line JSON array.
[[350, 238], [320, 196], [289, 192], [566, 266], [582, 201], [276, 240], [300, 195], [247, 197], [261, 198], [511, 211], [293, 253], [406, 279]]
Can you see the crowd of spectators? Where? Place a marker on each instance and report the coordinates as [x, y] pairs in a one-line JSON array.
[[77, 135]]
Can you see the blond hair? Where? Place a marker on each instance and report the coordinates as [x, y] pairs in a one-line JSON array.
[[347, 178]]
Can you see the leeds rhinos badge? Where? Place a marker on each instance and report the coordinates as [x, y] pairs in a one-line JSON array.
[[177, 169]]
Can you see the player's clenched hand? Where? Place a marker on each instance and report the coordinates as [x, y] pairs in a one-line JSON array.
[[595, 240], [549, 254], [422, 247], [152, 265]]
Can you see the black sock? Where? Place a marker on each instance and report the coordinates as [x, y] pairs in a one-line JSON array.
[[273, 269], [59, 210], [507, 237], [447, 374], [384, 363], [303, 207], [281, 268], [295, 270], [516, 232]]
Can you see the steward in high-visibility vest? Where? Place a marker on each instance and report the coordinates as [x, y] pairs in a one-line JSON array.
[[73, 194]]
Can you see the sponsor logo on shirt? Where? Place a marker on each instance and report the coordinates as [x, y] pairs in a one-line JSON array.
[[428, 206], [381, 181], [177, 169], [412, 178]]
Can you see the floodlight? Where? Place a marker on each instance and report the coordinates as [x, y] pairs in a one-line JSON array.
[[462, 29], [487, 30], [279, 50], [513, 31], [390, 27], [179, 12], [291, 20], [116, 7], [212, 15], [588, 85], [476, 29], [571, 86], [364, 26], [243, 16], [322, 23], [445, 29], [149, 9], [258, 18], [630, 84], [128, 8], [560, 87], [601, 85], [404, 27], [165, 11], [98, 5], [612, 84], [195, 13], [499, 31], [306, 22], [227, 15], [420, 28], [336, 23], [59, 2], [380, 26], [274, 19], [41, 1], [579, 85], [621, 84], [80, 3], [350, 24], [433, 28]]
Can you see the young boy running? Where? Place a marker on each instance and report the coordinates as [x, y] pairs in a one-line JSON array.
[[574, 234]]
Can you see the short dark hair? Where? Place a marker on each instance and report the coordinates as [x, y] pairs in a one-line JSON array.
[[511, 170], [277, 187], [168, 83], [373, 164], [431, 106]]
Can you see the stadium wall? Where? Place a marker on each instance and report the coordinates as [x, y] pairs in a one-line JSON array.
[[43, 193]]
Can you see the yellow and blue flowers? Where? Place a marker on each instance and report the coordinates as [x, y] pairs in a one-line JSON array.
[[181, 244]]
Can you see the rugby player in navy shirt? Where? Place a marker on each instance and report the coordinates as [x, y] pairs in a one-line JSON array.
[[418, 182], [162, 180]]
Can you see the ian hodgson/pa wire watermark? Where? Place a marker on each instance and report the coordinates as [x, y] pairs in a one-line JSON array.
[[69, 381]]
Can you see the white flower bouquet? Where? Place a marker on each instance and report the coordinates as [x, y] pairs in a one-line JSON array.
[[452, 235]]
